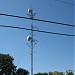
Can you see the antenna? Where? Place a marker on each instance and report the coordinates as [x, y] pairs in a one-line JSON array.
[[30, 38]]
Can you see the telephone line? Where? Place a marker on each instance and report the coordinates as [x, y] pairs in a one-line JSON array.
[[36, 30], [38, 20], [65, 2]]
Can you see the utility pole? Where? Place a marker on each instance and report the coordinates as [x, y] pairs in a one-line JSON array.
[[30, 37]]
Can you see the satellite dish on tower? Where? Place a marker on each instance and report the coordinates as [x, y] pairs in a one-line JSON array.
[[30, 11], [29, 38]]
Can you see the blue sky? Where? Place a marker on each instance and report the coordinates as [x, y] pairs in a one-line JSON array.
[[52, 52]]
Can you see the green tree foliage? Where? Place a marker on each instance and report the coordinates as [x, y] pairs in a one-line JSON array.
[[50, 73], [69, 72], [7, 66], [22, 71], [41, 74], [57, 73]]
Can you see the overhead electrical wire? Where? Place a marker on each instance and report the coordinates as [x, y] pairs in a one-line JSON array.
[[38, 20], [36, 30], [65, 2]]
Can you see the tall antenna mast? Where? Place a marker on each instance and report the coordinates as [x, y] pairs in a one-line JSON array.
[[30, 37]]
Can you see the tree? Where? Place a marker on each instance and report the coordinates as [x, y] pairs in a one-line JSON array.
[[6, 64], [69, 72], [22, 71], [38, 74], [51, 73], [57, 73]]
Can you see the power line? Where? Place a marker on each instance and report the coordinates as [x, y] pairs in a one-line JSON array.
[[39, 20], [36, 30], [65, 2]]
